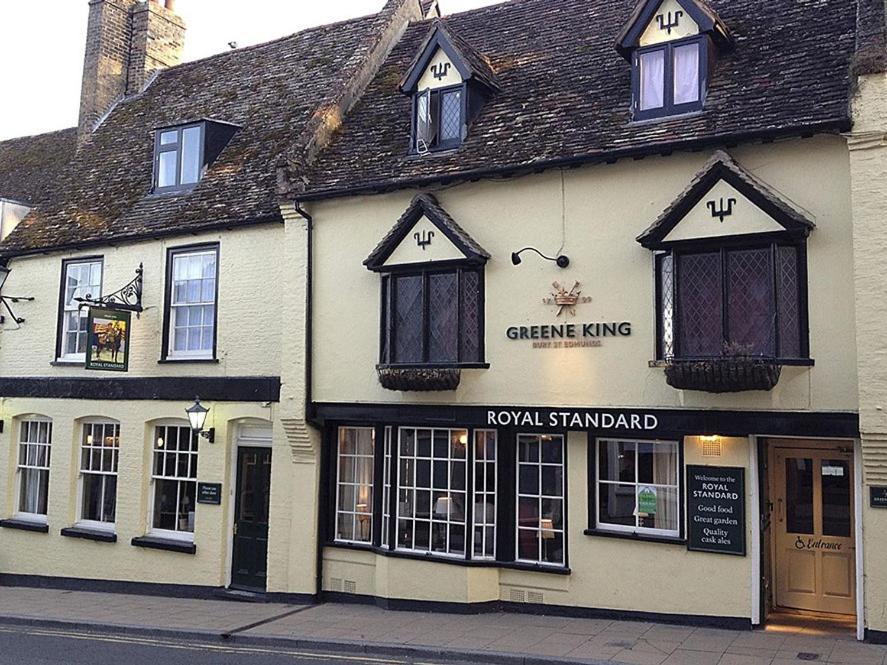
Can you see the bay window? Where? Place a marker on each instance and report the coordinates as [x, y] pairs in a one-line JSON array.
[[670, 78], [80, 279], [439, 491], [34, 453], [733, 300], [174, 481], [192, 291], [99, 452], [432, 317], [637, 487]]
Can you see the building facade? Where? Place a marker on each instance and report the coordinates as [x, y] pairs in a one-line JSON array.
[[556, 307]]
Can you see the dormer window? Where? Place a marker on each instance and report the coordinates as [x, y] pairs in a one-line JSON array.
[[179, 157], [449, 83], [439, 119], [669, 79], [669, 44], [182, 154]]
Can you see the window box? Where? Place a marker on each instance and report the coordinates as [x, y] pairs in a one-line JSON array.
[[724, 375], [419, 380]]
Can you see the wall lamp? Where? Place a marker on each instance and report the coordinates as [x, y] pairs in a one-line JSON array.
[[197, 418], [561, 261], [8, 301]]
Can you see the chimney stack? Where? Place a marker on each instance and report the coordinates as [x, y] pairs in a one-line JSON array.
[[126, 42]]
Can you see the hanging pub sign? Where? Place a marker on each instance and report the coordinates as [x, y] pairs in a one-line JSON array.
[[716, 509], [108, 345]]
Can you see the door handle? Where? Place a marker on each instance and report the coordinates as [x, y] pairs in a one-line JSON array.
[[779, 510], [235, 528]]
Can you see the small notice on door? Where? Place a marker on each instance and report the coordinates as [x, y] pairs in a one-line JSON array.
[[879, 497], [716, 509]]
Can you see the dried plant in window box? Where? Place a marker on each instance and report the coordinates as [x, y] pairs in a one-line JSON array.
[[419, 380], [735, 371]]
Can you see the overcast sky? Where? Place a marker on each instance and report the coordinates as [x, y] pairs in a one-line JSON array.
[[42, 42]]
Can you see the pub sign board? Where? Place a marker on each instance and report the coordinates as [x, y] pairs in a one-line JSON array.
[[879, 497], [210, 493], [108, 345], [716, 509]]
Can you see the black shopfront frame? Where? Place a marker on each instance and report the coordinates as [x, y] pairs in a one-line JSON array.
[[671, 424]]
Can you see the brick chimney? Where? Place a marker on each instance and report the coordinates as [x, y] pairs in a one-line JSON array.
[[126, 42]]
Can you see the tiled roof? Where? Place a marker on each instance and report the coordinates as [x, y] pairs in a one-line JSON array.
[[565, 91], [270, 91], [30, 164]]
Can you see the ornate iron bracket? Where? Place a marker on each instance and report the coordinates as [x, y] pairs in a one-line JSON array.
[[127, 299], [8, 302]]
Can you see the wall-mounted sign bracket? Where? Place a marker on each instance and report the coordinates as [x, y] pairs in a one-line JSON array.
[[127, 299]]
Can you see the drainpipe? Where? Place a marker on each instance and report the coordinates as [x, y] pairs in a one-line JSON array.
[[309, 380]]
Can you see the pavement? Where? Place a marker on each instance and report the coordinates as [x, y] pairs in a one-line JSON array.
[[362, 630]]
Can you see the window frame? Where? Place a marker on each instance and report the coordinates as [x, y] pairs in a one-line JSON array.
[[171, 534], [87, 523], [61, 327], [168, 332], [177, 147], [435, 104], [723, 246], [564, 531], [596, 527], [18, 513], [386, 498], [388, 332], [338, 511], [669, 108]]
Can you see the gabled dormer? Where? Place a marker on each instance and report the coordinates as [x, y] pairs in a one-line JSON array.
[[672, 46], [448, 82]]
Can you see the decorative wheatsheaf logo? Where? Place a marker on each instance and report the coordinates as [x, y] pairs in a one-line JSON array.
[[669, 21], [566, 301]]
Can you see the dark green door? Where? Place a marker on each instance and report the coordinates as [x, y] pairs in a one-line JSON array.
[[250, 563]]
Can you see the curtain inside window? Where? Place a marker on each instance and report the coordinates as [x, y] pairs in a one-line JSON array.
[[665, 473], [686, 74], [652, 81], [700, 303], [750, 303]]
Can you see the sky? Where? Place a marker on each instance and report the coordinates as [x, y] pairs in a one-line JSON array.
[[42, 43]]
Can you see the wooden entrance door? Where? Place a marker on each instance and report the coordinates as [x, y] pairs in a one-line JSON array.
[[250, 559], [815, 562]]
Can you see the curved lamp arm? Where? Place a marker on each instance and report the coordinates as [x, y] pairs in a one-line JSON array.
[[561, 261]]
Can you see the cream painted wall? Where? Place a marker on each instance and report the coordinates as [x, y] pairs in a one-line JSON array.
[[53, 555], [249, 334], [597, 219], [595, 563], [868, 168]]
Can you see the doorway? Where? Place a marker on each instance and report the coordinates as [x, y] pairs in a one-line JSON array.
[[249, 566], [811, 497]]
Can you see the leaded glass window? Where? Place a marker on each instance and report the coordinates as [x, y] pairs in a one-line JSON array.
[[439, 119], [433, 318], [732, 301]]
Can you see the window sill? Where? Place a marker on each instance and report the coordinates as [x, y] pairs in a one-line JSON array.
[[662, 540], [188, 361], [99, 535], [437, 366], [788, 362], [652, 117], [67, 363], [470, 563], [24, 525], [166, 544]]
